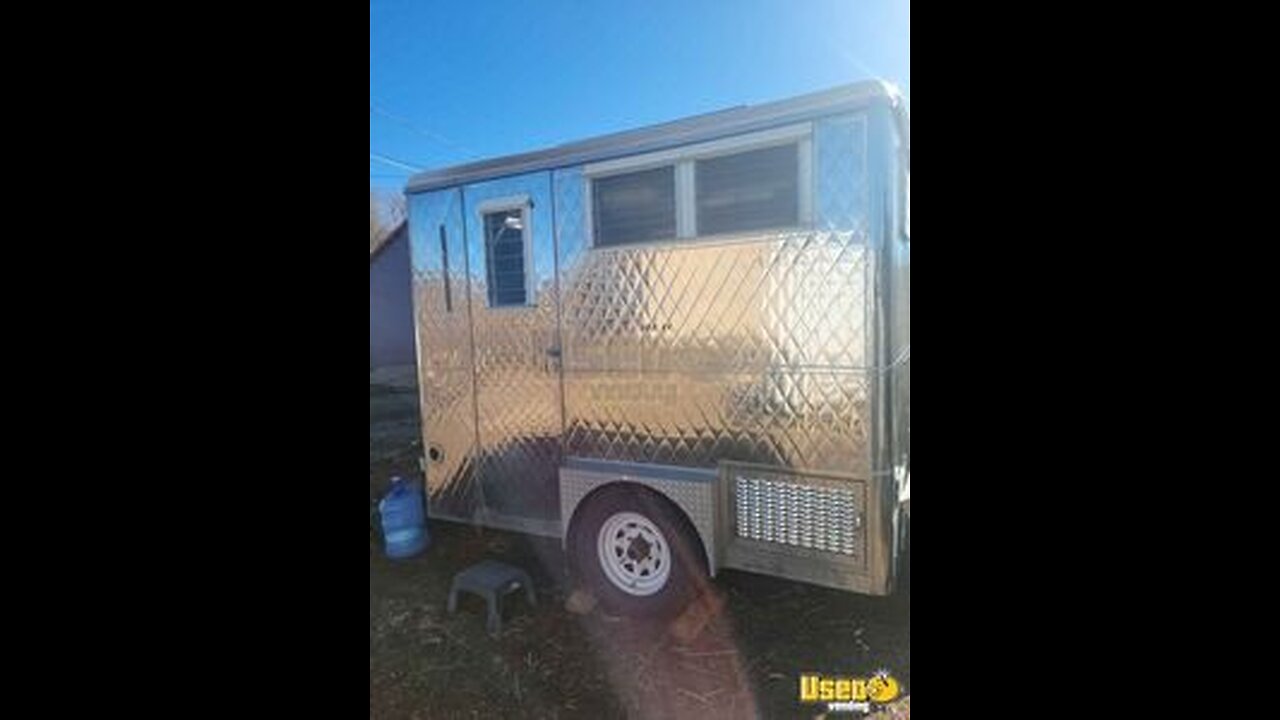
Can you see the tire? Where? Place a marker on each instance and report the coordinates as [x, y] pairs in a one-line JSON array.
[[637, 552]]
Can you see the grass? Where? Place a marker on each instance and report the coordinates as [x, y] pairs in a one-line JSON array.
[[547, 662]]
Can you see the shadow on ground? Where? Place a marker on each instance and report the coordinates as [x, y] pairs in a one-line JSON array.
[[548, 662]]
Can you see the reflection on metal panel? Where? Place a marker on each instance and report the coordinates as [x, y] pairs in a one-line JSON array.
[[900, 308], [444, 350], [517, 380], [571, 218], [754, 348], [843, 195], [751, 349]]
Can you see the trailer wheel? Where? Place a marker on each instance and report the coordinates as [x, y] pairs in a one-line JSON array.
[[637, 552]]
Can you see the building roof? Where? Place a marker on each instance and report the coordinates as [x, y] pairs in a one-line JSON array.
[[699, 128], [382, 242]]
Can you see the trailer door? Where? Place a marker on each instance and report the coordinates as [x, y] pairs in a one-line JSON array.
[[512, 280]]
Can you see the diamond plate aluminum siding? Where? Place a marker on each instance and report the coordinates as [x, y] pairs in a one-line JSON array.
[[517, 382], [843, 186], [444, 351], [752, 349]]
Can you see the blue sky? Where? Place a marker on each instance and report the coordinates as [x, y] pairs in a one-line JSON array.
[[451, 82]]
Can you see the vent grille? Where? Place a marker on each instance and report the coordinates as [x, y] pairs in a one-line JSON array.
[[820, 517]]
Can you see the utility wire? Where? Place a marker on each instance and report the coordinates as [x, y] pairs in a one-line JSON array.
[[394, 162], [411, 125]]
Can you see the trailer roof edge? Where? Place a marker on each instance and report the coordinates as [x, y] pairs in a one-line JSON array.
[[693, 129]]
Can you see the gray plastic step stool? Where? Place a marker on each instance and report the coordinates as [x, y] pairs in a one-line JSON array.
[[492, 581]]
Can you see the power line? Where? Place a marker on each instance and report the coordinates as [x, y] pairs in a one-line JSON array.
[[411, 125], [394, 162], [384, 172]]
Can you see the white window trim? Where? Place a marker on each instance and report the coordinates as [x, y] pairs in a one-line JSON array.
[[682, 159], [723, 146], [808, 183], [504, 204]]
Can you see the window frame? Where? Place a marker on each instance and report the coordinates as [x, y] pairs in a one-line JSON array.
[[591, 205], [524, 205], [683, 160]]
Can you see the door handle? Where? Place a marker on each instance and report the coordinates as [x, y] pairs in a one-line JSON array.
[[553, 359]]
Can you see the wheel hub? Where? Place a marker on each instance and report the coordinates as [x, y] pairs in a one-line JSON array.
[[639, 549], [634, 554]]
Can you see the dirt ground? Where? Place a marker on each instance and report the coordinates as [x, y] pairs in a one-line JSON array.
[[548, 662]]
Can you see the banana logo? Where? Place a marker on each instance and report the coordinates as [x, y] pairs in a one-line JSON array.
[[882, 688]]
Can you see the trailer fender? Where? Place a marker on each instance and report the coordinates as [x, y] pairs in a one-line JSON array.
[[691, 491], [636, 549]]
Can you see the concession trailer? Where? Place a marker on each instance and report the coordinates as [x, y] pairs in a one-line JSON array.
[[680, 349]]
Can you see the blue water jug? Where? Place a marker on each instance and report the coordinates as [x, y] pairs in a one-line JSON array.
[[404, 519]]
